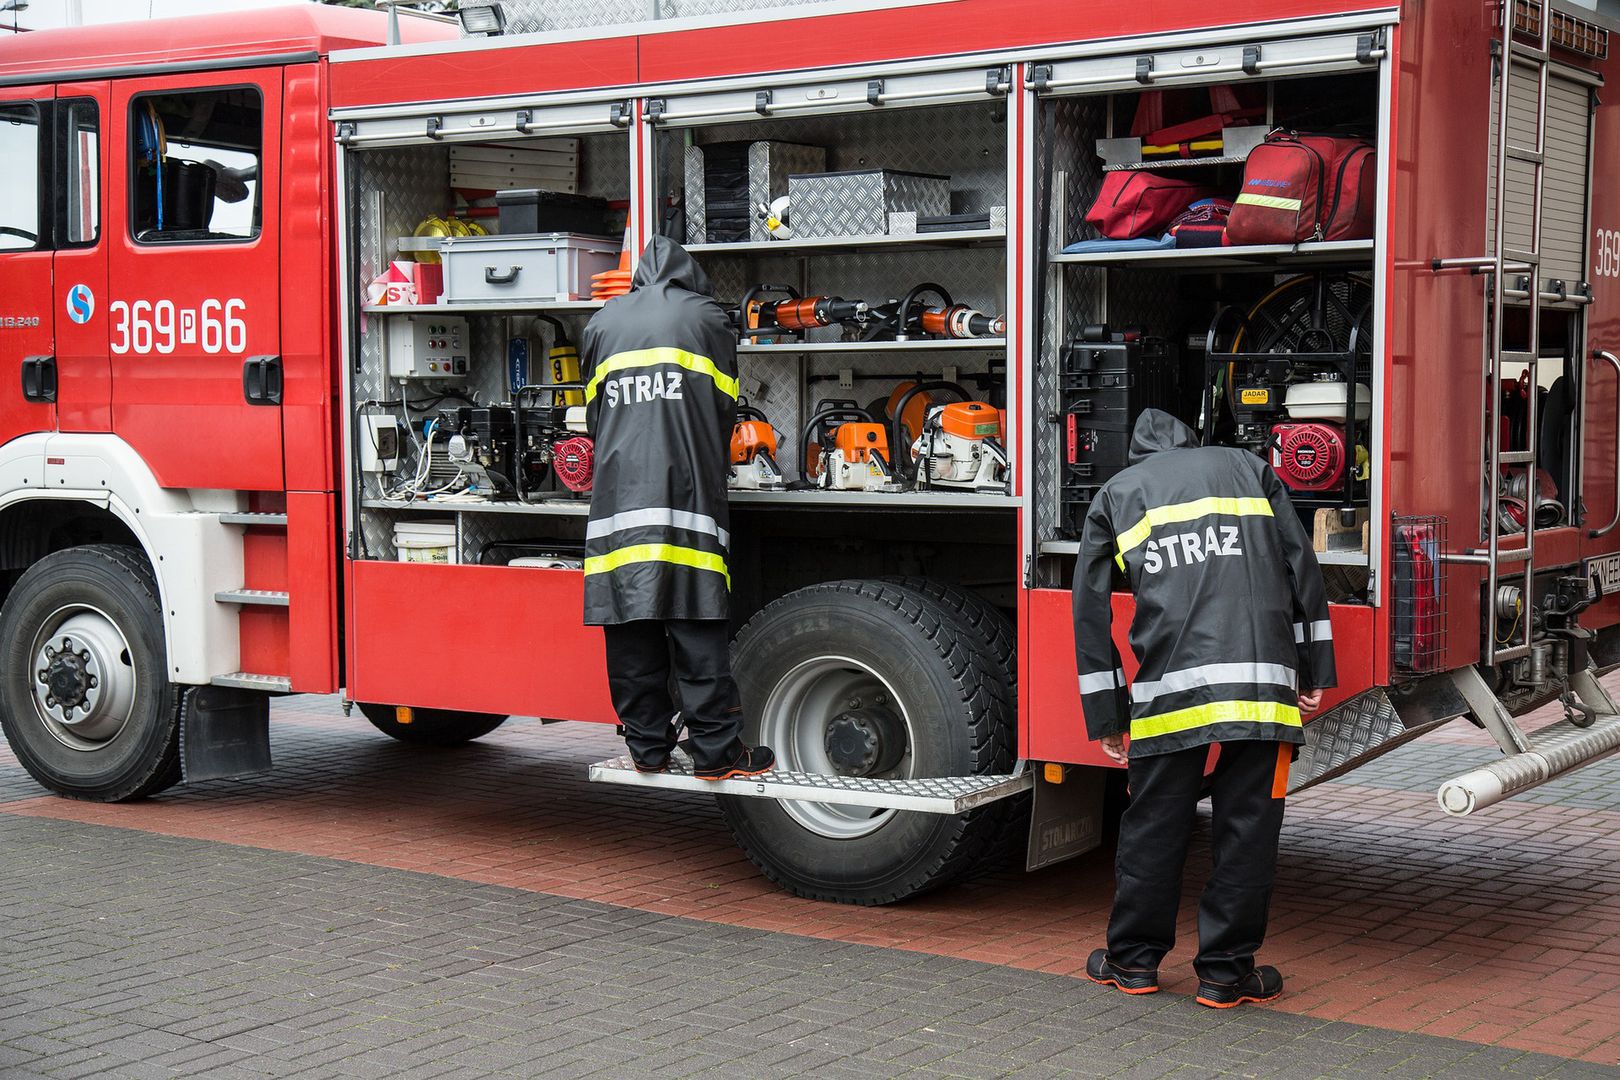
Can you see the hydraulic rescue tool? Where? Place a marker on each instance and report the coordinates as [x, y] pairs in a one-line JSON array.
[[769, 310]]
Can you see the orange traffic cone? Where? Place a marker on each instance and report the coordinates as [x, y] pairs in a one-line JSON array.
[[611, 283]]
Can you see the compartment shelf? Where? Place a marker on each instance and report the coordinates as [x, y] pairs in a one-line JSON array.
[[1258, 256], [898, 500], [1173, 163], [495, 306], [915, 242], [876, 346]]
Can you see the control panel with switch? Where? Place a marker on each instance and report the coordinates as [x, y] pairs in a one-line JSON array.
[[427, 346]]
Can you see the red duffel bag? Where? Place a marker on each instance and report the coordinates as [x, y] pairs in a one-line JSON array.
[[1139, 203], [1305, 187]]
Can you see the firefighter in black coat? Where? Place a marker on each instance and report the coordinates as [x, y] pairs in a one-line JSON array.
[[1234, 644], [660, 371]]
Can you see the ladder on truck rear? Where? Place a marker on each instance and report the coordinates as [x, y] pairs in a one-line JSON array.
[[1592, 729]]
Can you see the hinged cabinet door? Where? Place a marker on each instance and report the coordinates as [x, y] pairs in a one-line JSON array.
[[195, 307]]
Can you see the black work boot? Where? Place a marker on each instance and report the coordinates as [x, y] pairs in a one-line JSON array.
[[1264, 983], [750, 761], [1100, 969]]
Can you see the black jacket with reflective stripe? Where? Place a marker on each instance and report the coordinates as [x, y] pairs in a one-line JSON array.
[[660, 371], [1231, 613]]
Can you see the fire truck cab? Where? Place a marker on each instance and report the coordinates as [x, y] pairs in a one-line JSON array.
[[294, 308]]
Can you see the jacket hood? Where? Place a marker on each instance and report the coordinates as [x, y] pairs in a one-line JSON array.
[[664, 262], [1156, 431]]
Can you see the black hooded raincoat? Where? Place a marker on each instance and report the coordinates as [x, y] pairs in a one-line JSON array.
[[660, 371], [1231, 614]]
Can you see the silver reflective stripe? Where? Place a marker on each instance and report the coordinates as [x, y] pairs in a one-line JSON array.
[[1099, 681], [1214, 675], [657, 515], [1321, 630]]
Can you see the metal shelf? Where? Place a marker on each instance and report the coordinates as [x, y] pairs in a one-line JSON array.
[[856, 500], [506, 306], [924, 345], [1260, 256], [1173, 163], [813, 244]]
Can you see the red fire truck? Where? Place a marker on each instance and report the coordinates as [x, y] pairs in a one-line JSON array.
[[292, 306]]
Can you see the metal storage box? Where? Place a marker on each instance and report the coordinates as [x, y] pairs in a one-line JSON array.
[[770, 163], [523, 269], [859, 203]]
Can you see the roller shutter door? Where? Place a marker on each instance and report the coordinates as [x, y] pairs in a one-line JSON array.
[[1563, 201]]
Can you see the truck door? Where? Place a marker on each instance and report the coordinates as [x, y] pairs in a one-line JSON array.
[[194, 296], [27, 344], [84, 390]]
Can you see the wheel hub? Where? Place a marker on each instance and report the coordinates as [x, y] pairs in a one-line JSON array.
[[865, 741], [84, 684]]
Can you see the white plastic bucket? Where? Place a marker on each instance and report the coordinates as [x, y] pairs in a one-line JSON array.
[[425, 541]]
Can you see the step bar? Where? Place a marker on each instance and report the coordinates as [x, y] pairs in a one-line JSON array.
[[253, 517], [253, 597], [938, 795], [1553, 751], [247, 680]]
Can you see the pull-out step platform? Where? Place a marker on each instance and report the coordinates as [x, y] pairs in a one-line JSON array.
[[939, 795], [1554, 750]]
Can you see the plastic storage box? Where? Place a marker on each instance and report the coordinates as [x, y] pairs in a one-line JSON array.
[[859, 203], [523, 269]]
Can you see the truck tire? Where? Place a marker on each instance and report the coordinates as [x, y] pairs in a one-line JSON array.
[[915, 691], [85, 699], [433, 727], [1001, 638]]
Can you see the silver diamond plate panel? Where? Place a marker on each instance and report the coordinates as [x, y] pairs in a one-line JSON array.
[[697, 219], [941, 795], [481, 528], [859, 203], [1363, 728], [1074, 294]]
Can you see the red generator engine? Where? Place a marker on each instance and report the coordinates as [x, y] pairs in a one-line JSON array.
[[574, 461], [1309, 456]]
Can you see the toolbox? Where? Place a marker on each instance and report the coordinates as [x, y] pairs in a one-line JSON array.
[[528, 269], [536, 210], [859, 203]]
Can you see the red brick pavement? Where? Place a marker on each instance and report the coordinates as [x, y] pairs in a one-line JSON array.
[[1502, 929]]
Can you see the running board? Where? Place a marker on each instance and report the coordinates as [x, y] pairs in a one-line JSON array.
[[1553, 751], [246, 680], [1369, 726], [939, 795]]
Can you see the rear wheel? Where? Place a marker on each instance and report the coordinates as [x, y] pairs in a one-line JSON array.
[[85, 699], [877, 680], [433, 727]]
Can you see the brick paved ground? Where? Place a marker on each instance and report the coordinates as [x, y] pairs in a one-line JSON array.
[[1501, 931]]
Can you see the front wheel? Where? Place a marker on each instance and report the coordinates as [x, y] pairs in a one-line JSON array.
[[85, 699], [432, 727], [876, 680]]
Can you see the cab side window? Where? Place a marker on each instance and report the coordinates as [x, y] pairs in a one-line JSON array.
[[79, 165], [195, 167], [20, 218]]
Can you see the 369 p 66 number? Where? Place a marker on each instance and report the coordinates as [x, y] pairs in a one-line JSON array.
[[147, 326]]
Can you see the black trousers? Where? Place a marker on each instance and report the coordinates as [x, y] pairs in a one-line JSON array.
[[639, 662], [1153, 834]]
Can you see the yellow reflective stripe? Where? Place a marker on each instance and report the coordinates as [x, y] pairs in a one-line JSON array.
[[666, 553], [1245, 506], [640, 358], [1272, 201], [1216, 712]]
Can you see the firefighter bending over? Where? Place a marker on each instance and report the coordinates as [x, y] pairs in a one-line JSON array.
[[1233, 640], [660, 370]]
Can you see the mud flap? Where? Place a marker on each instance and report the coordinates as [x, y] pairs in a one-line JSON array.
[[1066, 819], [224, 733]]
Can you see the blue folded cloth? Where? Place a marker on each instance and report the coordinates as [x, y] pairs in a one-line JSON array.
[[1143, 243]]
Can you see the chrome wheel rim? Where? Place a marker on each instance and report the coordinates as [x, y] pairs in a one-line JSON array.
[[83, 677], [835, 715]]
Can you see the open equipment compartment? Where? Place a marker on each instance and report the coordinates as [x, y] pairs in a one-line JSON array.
[[896, 184], [1275, 347], [452, 395]]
